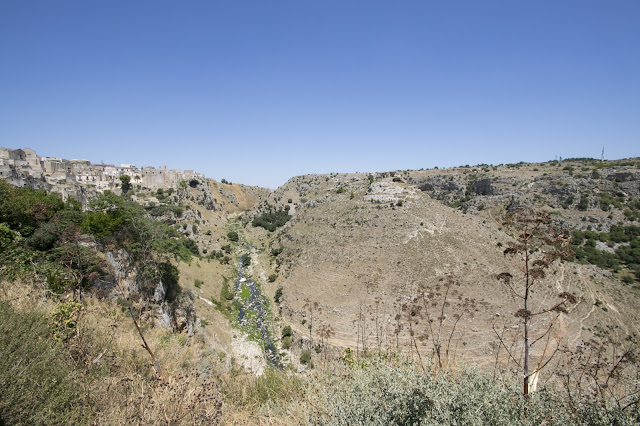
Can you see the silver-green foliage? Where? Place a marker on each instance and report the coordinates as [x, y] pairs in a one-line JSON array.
[[398, 394]]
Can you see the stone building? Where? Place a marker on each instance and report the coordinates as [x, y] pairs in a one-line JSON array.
[[23, 167]]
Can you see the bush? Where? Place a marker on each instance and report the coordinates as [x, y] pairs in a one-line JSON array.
[[44, 238], [627, 279], [584, 203], [273, 277], [191, 246], [286, 331], [125, 183], [286, 342], [272, 221], [388, 394], [305, 357], [233, 236], [278, 295], [164, 209], [169, 275], [24, 209], [102, 224], [64, 320], [225, 294]]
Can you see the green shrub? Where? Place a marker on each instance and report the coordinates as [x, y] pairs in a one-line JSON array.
[[286, 342], [191, 246], [273, 277], [225, 294], [286, 331], [102, 224], [125, 183], [584, 203], [379, 393], [64, 320], [24, 209], [273, 220], [169, 275], [630, 254], [45, 237], [164, 209], [233, 236], [305, 357], [278, 295]]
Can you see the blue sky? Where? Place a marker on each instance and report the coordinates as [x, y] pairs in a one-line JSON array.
[[257, 92]]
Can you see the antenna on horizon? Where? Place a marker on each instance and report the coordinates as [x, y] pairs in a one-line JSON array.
[[602, 155]]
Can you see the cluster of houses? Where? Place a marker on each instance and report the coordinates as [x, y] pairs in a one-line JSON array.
[[23, 167]]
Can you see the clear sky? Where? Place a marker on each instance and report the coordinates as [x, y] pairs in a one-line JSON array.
[[260, 91]]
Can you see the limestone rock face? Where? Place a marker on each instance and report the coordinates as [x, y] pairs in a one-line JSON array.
[[160, 292], [177, 314]]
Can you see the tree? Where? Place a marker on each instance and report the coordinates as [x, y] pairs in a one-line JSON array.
[[125, 183], [25, 209], [537, 244], [278, 295], [272, 220]]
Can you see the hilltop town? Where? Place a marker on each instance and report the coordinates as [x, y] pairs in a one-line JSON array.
[[81, 179]]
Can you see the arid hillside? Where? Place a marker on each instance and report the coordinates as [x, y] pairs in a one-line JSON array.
[[361, 250]]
